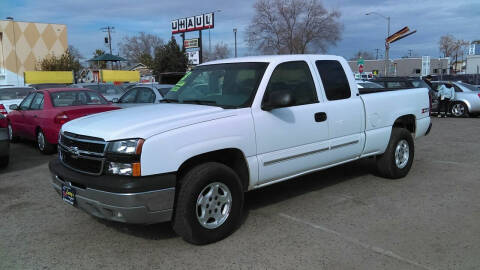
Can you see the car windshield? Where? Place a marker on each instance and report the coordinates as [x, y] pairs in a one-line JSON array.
[[370, 85], [225, 85], [14, 93], [470, 87], [106, 89], [420, 84], [76, 98]]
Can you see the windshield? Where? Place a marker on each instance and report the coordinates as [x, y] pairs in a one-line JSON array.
[[76, 98], [420, 84], [226, 85], [470, 87], [14, 93], [106, 89]]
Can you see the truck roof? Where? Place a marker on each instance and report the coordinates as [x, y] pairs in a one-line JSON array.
[[275, 58]]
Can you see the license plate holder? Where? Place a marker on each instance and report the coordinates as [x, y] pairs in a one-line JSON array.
[[68, 194]]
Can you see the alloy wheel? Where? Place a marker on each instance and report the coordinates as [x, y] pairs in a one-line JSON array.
[[402, 154], [213, 205]]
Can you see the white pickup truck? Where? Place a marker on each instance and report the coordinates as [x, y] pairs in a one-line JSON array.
[[228, 127]]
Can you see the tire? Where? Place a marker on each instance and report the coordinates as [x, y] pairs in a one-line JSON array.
[[4, 162], [387, 164], [11, 137], [43, 145], [196, 186], [459, 109]]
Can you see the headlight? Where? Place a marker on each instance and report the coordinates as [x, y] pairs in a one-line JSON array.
[[126, 147]]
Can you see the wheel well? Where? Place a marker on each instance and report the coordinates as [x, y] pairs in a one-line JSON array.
[[406, 121], [231, 157]]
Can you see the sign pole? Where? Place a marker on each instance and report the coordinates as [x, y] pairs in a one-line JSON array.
[[200, 60]]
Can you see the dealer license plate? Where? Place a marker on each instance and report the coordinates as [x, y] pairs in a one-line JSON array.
[[68, 194]]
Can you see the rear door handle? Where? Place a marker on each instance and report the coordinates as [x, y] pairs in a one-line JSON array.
[[320, 117]]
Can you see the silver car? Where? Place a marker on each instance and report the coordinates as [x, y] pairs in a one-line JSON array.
[[109, 91], [4, 142], [143, 94], [466, 101]]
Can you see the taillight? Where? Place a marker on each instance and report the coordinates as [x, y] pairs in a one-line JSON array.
[[61, 118], [478, 96], [3, 110]]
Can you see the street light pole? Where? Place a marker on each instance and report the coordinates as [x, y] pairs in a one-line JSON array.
[[235, 34], [387, 45]]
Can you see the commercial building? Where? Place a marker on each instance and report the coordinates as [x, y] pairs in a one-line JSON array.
[[421, 66], [24, 44]]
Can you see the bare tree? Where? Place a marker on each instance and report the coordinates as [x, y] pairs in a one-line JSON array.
[[362, 54], [140, 47], [75, 52], [220, 51], [451, 47], [293, 26]]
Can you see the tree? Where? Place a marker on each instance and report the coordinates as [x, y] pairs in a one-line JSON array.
[[363, 54], [75, 52], [451, 47], [293, 26], [140, 47], [220, 51], [98, 64], [169, 58], [65, 62]]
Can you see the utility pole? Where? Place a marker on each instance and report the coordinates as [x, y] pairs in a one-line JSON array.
[[235, 34], [376, 56], [410, 53], [108, 29]]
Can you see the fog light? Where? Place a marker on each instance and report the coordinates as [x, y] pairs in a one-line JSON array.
[[120, 168]]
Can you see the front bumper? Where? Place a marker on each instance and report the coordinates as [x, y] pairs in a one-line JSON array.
[[144, 207]]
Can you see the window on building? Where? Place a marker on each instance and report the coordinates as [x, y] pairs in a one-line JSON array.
[[435, 70], [417, 71], [444, 71]]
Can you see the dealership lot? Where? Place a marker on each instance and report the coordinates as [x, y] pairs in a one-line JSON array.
[[341, 218]]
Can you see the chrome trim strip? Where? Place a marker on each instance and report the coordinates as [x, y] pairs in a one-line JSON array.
[[66, 148], [344, 144], [83, 140], [294, 156]]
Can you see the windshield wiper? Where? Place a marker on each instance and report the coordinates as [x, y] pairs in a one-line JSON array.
[[168, 100], [200, 102]]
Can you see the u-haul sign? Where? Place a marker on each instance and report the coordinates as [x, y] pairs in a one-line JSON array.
[[194, 23]]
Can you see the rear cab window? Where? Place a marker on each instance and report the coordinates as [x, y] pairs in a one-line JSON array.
[[334, 79]]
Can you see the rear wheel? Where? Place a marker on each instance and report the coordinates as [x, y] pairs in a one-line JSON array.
[[43, 145], [459, 109], [209, 203], [398, 158]]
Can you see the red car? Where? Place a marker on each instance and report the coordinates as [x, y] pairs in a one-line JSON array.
[[43, 112]]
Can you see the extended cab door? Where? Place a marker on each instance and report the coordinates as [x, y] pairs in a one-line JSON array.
[[346, 114], [293, 139]]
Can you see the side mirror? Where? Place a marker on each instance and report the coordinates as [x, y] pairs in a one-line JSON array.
[[278, 99], [115, 100], [13, 107]]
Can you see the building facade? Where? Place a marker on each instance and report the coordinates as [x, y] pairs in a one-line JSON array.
[[412, 67], [24, 44]]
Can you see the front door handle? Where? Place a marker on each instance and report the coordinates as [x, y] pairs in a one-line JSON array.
[[320, 117]]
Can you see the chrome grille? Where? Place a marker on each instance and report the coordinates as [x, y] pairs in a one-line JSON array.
[[81, 153]]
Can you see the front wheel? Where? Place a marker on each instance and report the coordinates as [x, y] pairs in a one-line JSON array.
[[11, 136], [43, 145], [209, 203], [398, 158]]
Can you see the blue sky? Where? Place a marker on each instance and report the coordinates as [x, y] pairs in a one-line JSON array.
[[431, 18]]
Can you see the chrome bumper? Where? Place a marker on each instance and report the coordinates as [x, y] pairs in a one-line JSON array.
[[142, 207]]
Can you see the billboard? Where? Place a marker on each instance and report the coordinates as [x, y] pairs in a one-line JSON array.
[[32, 77], [190, 43], [120, 75], [194, 23]]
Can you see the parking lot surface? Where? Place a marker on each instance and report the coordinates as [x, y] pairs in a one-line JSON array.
[[341, 218]]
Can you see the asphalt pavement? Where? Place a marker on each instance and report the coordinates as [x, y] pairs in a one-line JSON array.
[[341, 218]]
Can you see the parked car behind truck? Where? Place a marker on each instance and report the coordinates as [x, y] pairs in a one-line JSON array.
[[467, 99], [42, 113], [228, 127], [4, 143]]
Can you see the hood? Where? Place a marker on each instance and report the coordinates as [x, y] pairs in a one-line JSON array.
[[143, 121]]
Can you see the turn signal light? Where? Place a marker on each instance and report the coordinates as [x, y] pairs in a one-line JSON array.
[[61, 118], [136, 169]]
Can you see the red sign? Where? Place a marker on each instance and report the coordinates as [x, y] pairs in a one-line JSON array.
[[360, 68]]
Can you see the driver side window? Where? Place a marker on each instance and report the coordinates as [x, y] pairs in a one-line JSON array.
[[26, 102]]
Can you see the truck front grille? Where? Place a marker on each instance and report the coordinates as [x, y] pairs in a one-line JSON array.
[[81, 153]]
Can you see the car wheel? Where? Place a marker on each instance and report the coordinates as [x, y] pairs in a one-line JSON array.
[[4, 161], [398, 158], [459, 109], [11, 135], [209, 203], [43, 145]]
